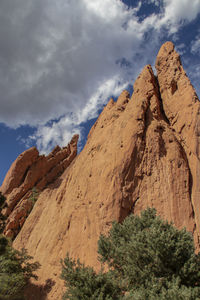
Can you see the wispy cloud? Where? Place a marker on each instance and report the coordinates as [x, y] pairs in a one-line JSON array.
[[195, 45], [61, 60]]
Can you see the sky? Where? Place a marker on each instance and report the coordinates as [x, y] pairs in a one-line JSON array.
[[61, 61]]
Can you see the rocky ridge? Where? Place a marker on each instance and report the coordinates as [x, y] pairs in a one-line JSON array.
[[142, 151], [29, 174]]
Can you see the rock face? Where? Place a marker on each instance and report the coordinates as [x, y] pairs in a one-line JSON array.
[[142, 151], [182, 109], [32, 171]]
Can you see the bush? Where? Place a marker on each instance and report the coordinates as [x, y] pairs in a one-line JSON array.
[[147, 258], [83, 283], [2, 217], [15, 271], [2, 200], [34, 195]]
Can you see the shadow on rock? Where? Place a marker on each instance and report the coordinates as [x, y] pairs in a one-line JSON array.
[[38, 292]]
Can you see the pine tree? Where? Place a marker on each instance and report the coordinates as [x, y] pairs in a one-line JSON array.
[[147, 259], [15, 271], [83, 282]]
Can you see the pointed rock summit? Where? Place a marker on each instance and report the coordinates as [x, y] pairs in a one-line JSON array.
[[143, 151], [182, 109], [27, 177]]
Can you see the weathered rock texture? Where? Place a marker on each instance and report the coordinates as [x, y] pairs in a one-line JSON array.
[[32, 171], [142, 151], [182, 109]]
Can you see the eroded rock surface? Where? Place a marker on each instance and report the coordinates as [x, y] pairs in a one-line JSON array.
[[142, 151], [31, 170], [182, 109]]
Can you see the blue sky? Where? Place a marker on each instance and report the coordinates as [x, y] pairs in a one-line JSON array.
[[60, 62]]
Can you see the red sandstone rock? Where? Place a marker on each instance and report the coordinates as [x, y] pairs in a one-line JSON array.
[[28, 171], [18, 169], [182, 109], [142, 151]]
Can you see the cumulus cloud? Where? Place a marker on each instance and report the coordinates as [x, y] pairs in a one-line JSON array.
[[181, 10], [61, 131], [62, 59], [55, 55], [174, 14]]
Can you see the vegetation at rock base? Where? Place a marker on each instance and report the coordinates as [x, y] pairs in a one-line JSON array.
[[147, 259], [2, 217], [15, 271], [2, 199], [84, 283]]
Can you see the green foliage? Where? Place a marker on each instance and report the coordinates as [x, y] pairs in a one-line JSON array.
[[34, 195], [2, 217], [83, 283], [148, 248], [15, 271], [147, 259], [2, 200]]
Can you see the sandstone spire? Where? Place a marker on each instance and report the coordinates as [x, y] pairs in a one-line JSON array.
[[31, 170], [142, 151], [182, 109]]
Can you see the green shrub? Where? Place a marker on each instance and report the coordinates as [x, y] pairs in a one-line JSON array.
[[34, 195], [147, 259], [2, 200], [2, 217], [83, 283], [15, 271]]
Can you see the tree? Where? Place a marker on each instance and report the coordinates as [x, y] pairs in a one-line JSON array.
[[15, 271], [83, 282], [2, 217], [147, 258]]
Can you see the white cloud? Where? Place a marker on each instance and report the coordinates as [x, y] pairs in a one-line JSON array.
[[155, 2], [181, 48], [55, 55], [112, 86], [173, 15], [61, 59], [58, 133], [195, 46], [194, 74], [179, 11], [61, 131]]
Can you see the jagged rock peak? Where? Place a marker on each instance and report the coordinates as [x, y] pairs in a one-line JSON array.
[[15, 174], [141, 152], [182, 109], [31, 170]]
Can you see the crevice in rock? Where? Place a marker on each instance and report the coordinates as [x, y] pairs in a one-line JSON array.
[[161, 102], [133, 206], [24, 176], [182, 150], [174, 86], [162, 148], [132, 180], [181, 143]]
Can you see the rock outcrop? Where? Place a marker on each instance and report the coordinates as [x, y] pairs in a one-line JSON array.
[[142, 151], [27, 177], [182, 109]]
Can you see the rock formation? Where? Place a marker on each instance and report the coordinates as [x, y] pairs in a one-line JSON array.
[[142, 151], [27, 177]]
